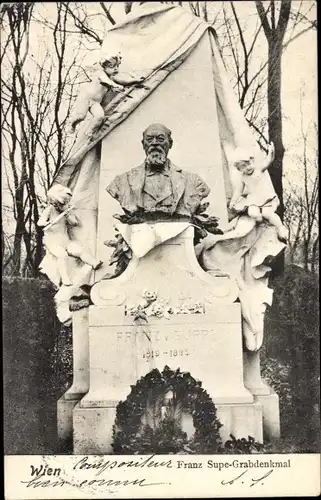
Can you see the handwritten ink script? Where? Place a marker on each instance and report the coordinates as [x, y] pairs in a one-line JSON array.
[[245, 476], [114, 473], [39, 475]]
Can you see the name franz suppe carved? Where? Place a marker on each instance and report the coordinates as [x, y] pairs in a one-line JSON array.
[[159, 335]]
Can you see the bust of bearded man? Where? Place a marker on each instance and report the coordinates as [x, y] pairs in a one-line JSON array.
[[157, 187]]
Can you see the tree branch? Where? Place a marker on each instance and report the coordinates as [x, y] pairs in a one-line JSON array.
[[308, 28], [263, 17], [284, 17], [108, 14], [81, 25], [246, 61]]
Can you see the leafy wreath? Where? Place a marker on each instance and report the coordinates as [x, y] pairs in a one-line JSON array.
[[163, 433]]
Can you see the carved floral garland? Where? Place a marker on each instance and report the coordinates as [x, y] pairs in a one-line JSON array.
[[151, 305], [132, 436]]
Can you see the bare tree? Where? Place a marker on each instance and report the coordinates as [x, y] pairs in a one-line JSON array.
[[14, 97], [249, 78], [36, 99], [274, 30], [240, 43], [302, 201], [310, 202]]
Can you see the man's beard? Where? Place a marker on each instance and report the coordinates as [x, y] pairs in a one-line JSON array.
[[156, 158]]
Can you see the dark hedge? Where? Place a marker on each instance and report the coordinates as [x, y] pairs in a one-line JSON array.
[[36, 366], [291, 355]]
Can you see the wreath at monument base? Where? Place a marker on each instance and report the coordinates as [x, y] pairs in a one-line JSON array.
[[144, 425]]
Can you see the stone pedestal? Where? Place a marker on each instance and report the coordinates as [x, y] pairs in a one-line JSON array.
[[208, 345], [241, 420], [263, 394], [271, 415], [93, 430], [93, 426], [80, 384], [80, 347], [65, 420]]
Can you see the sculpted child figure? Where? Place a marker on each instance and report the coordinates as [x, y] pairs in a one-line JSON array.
[[92, 94], [57, 219], [254, 194]]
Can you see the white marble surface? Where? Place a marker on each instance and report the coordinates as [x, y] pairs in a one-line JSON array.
[[92, 430], [80, 349], [171, 269], [208, 345], [65, 419], [186, 103]]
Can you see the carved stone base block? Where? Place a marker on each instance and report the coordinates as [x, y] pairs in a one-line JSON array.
[[64, 419], [93, 426], [252, 374], [263, 394], [80, 383], [241, 420], [92, 430], [271, 415]]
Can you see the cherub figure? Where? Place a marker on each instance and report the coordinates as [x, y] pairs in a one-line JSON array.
[[57, 219], [92, 93], [254, 194]]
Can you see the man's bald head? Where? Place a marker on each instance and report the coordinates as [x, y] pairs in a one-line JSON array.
[[157, 128]]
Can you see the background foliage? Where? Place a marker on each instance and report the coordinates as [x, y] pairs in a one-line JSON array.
[[37, 362], [291, 356]]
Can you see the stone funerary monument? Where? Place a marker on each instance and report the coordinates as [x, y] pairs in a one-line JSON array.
[[162, 143]]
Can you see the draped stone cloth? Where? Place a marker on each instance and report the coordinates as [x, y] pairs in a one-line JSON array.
[[154, 39]]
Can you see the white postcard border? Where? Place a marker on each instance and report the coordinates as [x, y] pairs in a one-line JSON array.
[[160, 476]]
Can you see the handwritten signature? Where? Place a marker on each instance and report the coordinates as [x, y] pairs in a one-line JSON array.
[[39, 477], [254, 481], [36, 483]]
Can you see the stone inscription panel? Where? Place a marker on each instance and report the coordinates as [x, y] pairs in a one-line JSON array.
[[209, 346], [160, 344], [211, 352]]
